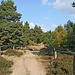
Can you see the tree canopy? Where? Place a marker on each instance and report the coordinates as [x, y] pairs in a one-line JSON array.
[[8, 11], [12, 31]]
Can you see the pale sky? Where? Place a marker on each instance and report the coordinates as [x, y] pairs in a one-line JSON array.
[[46, 13]]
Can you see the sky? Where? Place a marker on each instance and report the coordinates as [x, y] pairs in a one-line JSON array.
[[45, 13]]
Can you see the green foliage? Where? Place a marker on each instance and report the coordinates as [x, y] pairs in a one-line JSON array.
[[70, 27], [4, 66], [8, 11], [58, 36], [47, 37], [13, 53], [64, 37], [10, 29], [37, 34], [13, 32], [25, 33], [46, 51]]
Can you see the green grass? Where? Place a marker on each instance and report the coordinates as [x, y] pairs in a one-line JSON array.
[[4, 66], [13, 53]]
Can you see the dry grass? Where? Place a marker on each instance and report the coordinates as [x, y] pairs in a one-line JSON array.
[[13, 53], [63, 65], [36, 47], [4, 66]]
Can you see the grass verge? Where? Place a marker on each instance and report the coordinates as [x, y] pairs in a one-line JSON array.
[[4, 66], [13, 53]]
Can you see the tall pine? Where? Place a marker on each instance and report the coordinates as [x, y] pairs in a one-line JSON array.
[[10, 27]]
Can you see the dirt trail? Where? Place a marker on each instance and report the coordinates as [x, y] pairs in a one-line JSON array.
[[28, 65]]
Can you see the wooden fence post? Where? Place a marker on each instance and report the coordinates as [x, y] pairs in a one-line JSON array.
[[0, 51], [55, 54], [74, 65], [21, 46], [13, 47]]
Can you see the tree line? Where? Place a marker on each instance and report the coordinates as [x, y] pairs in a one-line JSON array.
[[12, 31]]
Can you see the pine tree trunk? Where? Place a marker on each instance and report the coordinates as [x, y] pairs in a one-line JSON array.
[[21, 47], [13, 47], [55, 54]]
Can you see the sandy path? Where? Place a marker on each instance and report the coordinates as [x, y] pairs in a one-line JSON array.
[[28, 65]]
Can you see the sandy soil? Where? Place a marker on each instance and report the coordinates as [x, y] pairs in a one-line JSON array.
[[27, 65], [37, 47]]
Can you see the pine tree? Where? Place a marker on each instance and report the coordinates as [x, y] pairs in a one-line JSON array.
[[25, 33], [70, 27], [8, 11], [37, 34], [10, 28]]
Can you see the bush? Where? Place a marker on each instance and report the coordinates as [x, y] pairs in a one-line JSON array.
[[31, 42], [63, 65], [46, 51]]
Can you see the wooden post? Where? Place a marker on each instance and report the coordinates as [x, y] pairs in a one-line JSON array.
[[74, 65], [55, 54], [0, 51], [13, 47], [21, 47]]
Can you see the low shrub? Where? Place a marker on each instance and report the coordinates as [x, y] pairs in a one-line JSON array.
[[4, 66], [46, 51], [63, 65], [31, 42]]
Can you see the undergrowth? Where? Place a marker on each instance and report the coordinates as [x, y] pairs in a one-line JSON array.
[[46, 51], [13, 53], [63, 65], [4, 66]]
